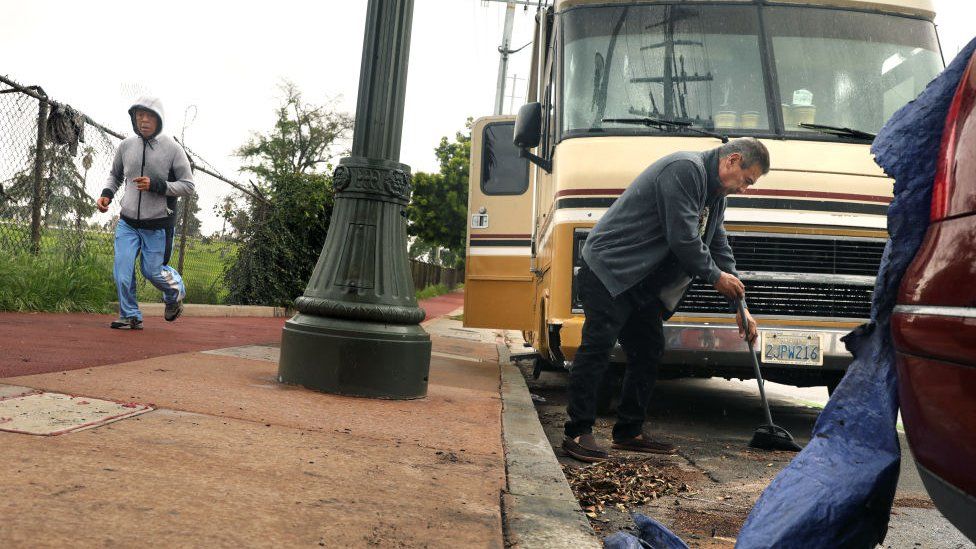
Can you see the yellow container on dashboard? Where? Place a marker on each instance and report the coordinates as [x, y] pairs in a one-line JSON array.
[[726, 119], [804, 114]]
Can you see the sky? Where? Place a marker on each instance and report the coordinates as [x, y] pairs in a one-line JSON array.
[[218, 66]]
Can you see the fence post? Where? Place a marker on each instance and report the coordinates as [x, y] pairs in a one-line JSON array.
[[35, 246], [186, 215]]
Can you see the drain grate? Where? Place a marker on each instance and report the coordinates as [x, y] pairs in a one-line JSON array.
[[50, 414]]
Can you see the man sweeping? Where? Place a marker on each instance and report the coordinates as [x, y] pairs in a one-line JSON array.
[[639, 261], [155, 171]]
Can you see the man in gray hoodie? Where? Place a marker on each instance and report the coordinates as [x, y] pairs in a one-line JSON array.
[[155, 171], [639, 260]]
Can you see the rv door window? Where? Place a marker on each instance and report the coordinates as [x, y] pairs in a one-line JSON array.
[[502, 170]]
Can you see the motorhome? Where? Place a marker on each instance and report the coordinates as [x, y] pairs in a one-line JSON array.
[[615, 85]]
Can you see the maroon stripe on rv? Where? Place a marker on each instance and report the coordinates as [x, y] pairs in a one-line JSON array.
[[818, 194], [749, 192], [589, 192], [474, 236]]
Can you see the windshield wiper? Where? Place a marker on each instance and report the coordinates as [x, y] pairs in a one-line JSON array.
[[664, 124], [838, 131]]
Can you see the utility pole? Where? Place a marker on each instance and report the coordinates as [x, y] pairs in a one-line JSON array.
[[512, 96], [504, 51]]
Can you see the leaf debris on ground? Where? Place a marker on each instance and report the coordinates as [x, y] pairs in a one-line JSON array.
[[619, 483]]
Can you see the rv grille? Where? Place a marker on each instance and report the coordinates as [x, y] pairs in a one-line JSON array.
[[806, 255], [786, 299], [786, 255]]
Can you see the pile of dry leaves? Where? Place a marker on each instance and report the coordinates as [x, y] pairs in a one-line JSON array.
[[619, 482]]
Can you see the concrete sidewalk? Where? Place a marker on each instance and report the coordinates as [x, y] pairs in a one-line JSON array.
[[229, 457]]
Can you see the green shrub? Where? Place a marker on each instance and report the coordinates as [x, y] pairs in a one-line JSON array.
[[56, 282], [432, 291], [282, 241]]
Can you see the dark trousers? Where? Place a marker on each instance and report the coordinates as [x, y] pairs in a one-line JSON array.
[[633, 318]]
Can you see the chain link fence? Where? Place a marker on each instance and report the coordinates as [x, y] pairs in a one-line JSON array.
[[53, 165]]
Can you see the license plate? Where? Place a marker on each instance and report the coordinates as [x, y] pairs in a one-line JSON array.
[[802, 348]]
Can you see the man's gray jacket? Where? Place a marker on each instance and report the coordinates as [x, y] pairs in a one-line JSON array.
[[160, 158], [655, 227]]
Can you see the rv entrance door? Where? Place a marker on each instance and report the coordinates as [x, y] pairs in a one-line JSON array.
[[498, 286]]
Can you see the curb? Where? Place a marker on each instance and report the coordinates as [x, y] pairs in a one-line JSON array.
[[538, 507], [194, 309]]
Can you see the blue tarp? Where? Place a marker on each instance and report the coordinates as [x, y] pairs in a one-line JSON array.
[[838, 491], [650, 533]]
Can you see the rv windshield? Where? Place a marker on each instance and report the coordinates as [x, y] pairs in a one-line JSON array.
[[705, 65]]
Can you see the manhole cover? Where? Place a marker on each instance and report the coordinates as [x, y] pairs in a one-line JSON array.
[[55, 414]]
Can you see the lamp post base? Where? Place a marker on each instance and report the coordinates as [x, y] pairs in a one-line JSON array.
[[355, 358]]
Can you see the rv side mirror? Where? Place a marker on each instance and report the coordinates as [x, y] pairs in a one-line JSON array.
[[528, 133], [528, 126]]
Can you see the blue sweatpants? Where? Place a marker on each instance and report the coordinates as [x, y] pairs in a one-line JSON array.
[[151, 245]]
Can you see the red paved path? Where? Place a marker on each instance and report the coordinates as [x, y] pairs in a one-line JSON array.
[[36, 343], [441, 305]]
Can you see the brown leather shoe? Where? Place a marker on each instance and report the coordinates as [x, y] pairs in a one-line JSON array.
[[585, 448], [644, 443]]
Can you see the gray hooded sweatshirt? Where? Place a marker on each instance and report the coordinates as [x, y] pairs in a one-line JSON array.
[[158, 157]]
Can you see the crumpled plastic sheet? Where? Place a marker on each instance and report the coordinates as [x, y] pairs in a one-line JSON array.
[[839, 490], [650, 534]]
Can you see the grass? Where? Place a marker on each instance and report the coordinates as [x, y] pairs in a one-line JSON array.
[[60, 278], [432, 291], [55, 282], [435, 290], [203, 272]]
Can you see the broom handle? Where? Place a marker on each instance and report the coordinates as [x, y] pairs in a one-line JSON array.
[[755, 362]]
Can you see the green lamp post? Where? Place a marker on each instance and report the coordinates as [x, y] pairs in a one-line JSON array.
[[357, 331]]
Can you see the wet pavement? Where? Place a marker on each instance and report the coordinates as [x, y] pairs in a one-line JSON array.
[[711, 422], [231, 458]]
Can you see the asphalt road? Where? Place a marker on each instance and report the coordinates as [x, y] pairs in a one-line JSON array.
[[711, 421]]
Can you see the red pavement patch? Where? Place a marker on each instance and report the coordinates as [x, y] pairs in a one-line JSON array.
[[442, 304], [37, 343]]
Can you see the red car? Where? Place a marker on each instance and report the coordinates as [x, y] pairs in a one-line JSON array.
[[934, 325]]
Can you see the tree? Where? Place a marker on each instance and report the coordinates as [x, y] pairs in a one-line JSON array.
[[281, 239], [193, 221], [233, 216], [63, 194], [64, 201], [438, 209], [303, 139]]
